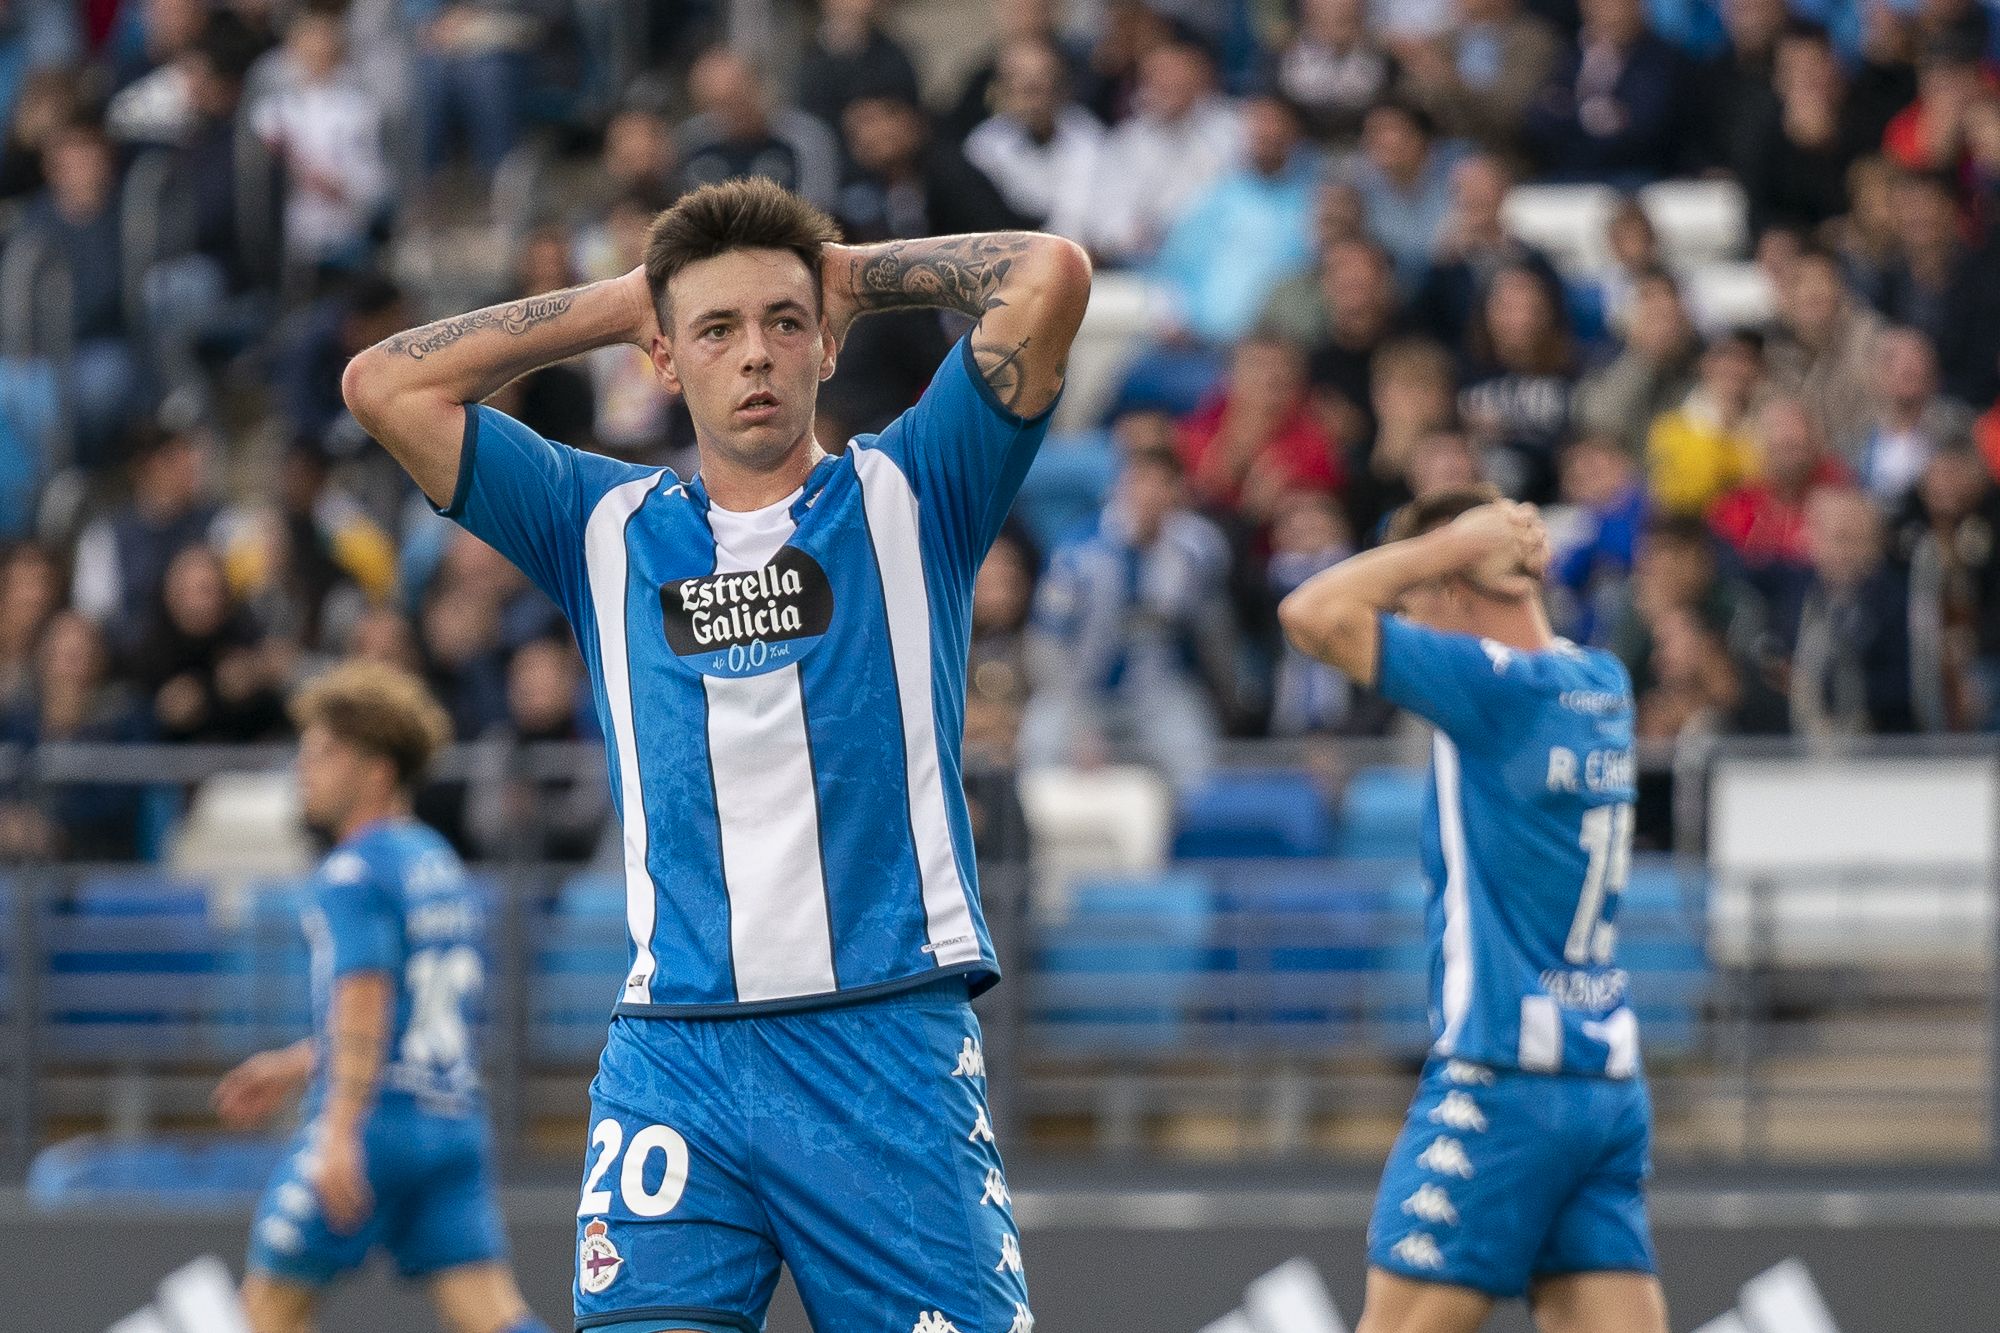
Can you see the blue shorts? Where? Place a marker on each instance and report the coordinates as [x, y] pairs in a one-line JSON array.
[[853, 1144], [1501, 1177], [434, 1205]]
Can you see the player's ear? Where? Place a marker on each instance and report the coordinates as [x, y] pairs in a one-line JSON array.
[[829, 354], [661, 354]]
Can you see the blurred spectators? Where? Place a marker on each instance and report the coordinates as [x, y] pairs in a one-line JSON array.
[[31, 593], [1594, 557], [1797, 145], [1652, 373], [1308, 535], [474, 58], [1333, 68], [1911, 421], [907, 181], [1613, 112], [1820, 349], [1522, 374], [1846, 632], [1764, 519], [1134, 633], [996, 677], [1676, 568], [1025, 24], [204, 663], [851, 55], [1738, 87], [1404, 177], [1254, 441], [122, 556], [1244, 234], [1411, 385], [1704, 447], [1182, 134], [1945, 531], [1470, 247], [1478, 78], [1356, 312], [514, 811], [1039, 148], [735, 131]]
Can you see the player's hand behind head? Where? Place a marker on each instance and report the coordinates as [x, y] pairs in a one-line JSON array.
[[1506, 545], [250, 1094], [838, 302]]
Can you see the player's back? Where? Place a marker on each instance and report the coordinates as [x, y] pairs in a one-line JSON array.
[[396, 898], [1526, 846]]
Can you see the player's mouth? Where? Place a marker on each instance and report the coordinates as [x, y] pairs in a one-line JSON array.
[[757, 408]]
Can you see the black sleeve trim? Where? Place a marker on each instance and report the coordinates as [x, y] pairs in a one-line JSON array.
[[466, 448], [1005, 413]]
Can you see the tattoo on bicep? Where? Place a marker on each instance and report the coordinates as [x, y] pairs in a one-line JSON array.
[[1002, 370], [514, 319]]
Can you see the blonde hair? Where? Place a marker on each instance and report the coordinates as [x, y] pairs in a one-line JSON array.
[[380, 709]]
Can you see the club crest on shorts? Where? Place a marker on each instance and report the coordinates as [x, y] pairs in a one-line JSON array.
[[597, 1259]]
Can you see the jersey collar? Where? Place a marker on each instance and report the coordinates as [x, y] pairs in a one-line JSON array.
[[815, 482]]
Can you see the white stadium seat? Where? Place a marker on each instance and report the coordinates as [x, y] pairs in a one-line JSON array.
[[1565, 222], [1728, 295], [1698, 220]]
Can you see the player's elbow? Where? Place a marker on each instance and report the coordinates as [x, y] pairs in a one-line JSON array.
[[363, 389], [1322, 627], [1061, 277]]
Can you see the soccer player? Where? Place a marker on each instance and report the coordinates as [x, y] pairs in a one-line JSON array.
[[1521, 1166], [395, 1151], [777, 648]]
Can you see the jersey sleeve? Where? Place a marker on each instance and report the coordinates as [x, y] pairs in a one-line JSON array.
[[965, 455], [1463, 684], [363, 923], [529, 499]]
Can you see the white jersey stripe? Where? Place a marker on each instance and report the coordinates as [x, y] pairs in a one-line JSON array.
[[891, 507], [607, 562], [1541, 1045], [780, 940], [1457, 998]]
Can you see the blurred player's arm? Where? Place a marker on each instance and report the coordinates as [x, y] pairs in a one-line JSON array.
[[267, 1082], [1335, 616], [357, 1037], [1026, 290], [410, 391]]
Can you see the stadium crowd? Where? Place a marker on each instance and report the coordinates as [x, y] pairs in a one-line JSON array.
[[1782, 526]]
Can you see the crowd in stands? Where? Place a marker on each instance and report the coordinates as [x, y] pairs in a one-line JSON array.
[[1784, 524]]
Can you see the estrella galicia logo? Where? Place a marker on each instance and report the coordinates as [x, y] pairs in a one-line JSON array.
[[747, 623]]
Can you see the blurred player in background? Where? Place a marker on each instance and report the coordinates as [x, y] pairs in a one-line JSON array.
[[1522, 1163], [395, 1149], [777, 648]]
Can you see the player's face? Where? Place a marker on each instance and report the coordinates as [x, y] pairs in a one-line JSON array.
[[330, 777], [747, 351]]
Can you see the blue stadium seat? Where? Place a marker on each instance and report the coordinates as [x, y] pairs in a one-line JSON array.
[[190, 1173], [1128, 965], [1382, 813], [1253, 812], [29, 414], [577, 963], [1065, 487], [135, 968]]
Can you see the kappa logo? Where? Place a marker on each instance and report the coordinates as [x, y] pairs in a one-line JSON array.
[[1499, 654], [1023, 1321], [982, 1129], [1459, 1111], [1431, 1204], [281, 1234], [1464, 1073], [1446, 1157], [597, 1259], [1419, 1250], [996, 1189], [971, 1061], [933, 1321], [1010, 1255]]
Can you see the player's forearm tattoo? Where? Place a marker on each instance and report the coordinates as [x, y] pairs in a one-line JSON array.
[[515, 318], [962, 273]]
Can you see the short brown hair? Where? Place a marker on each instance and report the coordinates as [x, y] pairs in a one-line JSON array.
[[379, 709], [1434, 511], [746, 213]]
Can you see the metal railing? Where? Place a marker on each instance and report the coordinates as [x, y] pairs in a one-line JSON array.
[[1245, 1009]]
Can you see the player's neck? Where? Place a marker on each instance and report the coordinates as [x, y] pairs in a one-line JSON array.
[[1519, 625], [734, 485], [374, 810]]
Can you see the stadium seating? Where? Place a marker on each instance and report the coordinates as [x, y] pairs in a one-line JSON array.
[[1382, 812], [192, 1174], [1253, 812], [30, 426]]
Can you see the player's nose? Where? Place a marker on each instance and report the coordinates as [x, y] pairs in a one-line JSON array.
[[756, 351]]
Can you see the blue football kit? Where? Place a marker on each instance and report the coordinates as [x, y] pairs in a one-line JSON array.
[[793, 1072], [1527, 1147], [393, 898]]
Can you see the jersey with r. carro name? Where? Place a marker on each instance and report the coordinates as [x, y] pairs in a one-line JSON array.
[[782, 694], [394, 898], [1527, 841]]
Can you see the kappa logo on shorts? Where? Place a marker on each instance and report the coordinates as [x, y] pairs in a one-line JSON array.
[[996, 1189], [1419, 1250], [933, 1321], [1023, 1321], [1465, 1072], [1446, 1156], [971, 1061], [1010, 1255], [982, 1129], [281, 1234], [597, 1259], [1459, 1111], [1431, 1204]]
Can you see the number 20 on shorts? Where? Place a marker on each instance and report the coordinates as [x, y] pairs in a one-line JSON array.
[[609, 1136]]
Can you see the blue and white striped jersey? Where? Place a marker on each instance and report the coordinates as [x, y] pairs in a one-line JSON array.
[[394, 898], [1527, 840], [782, 694]]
